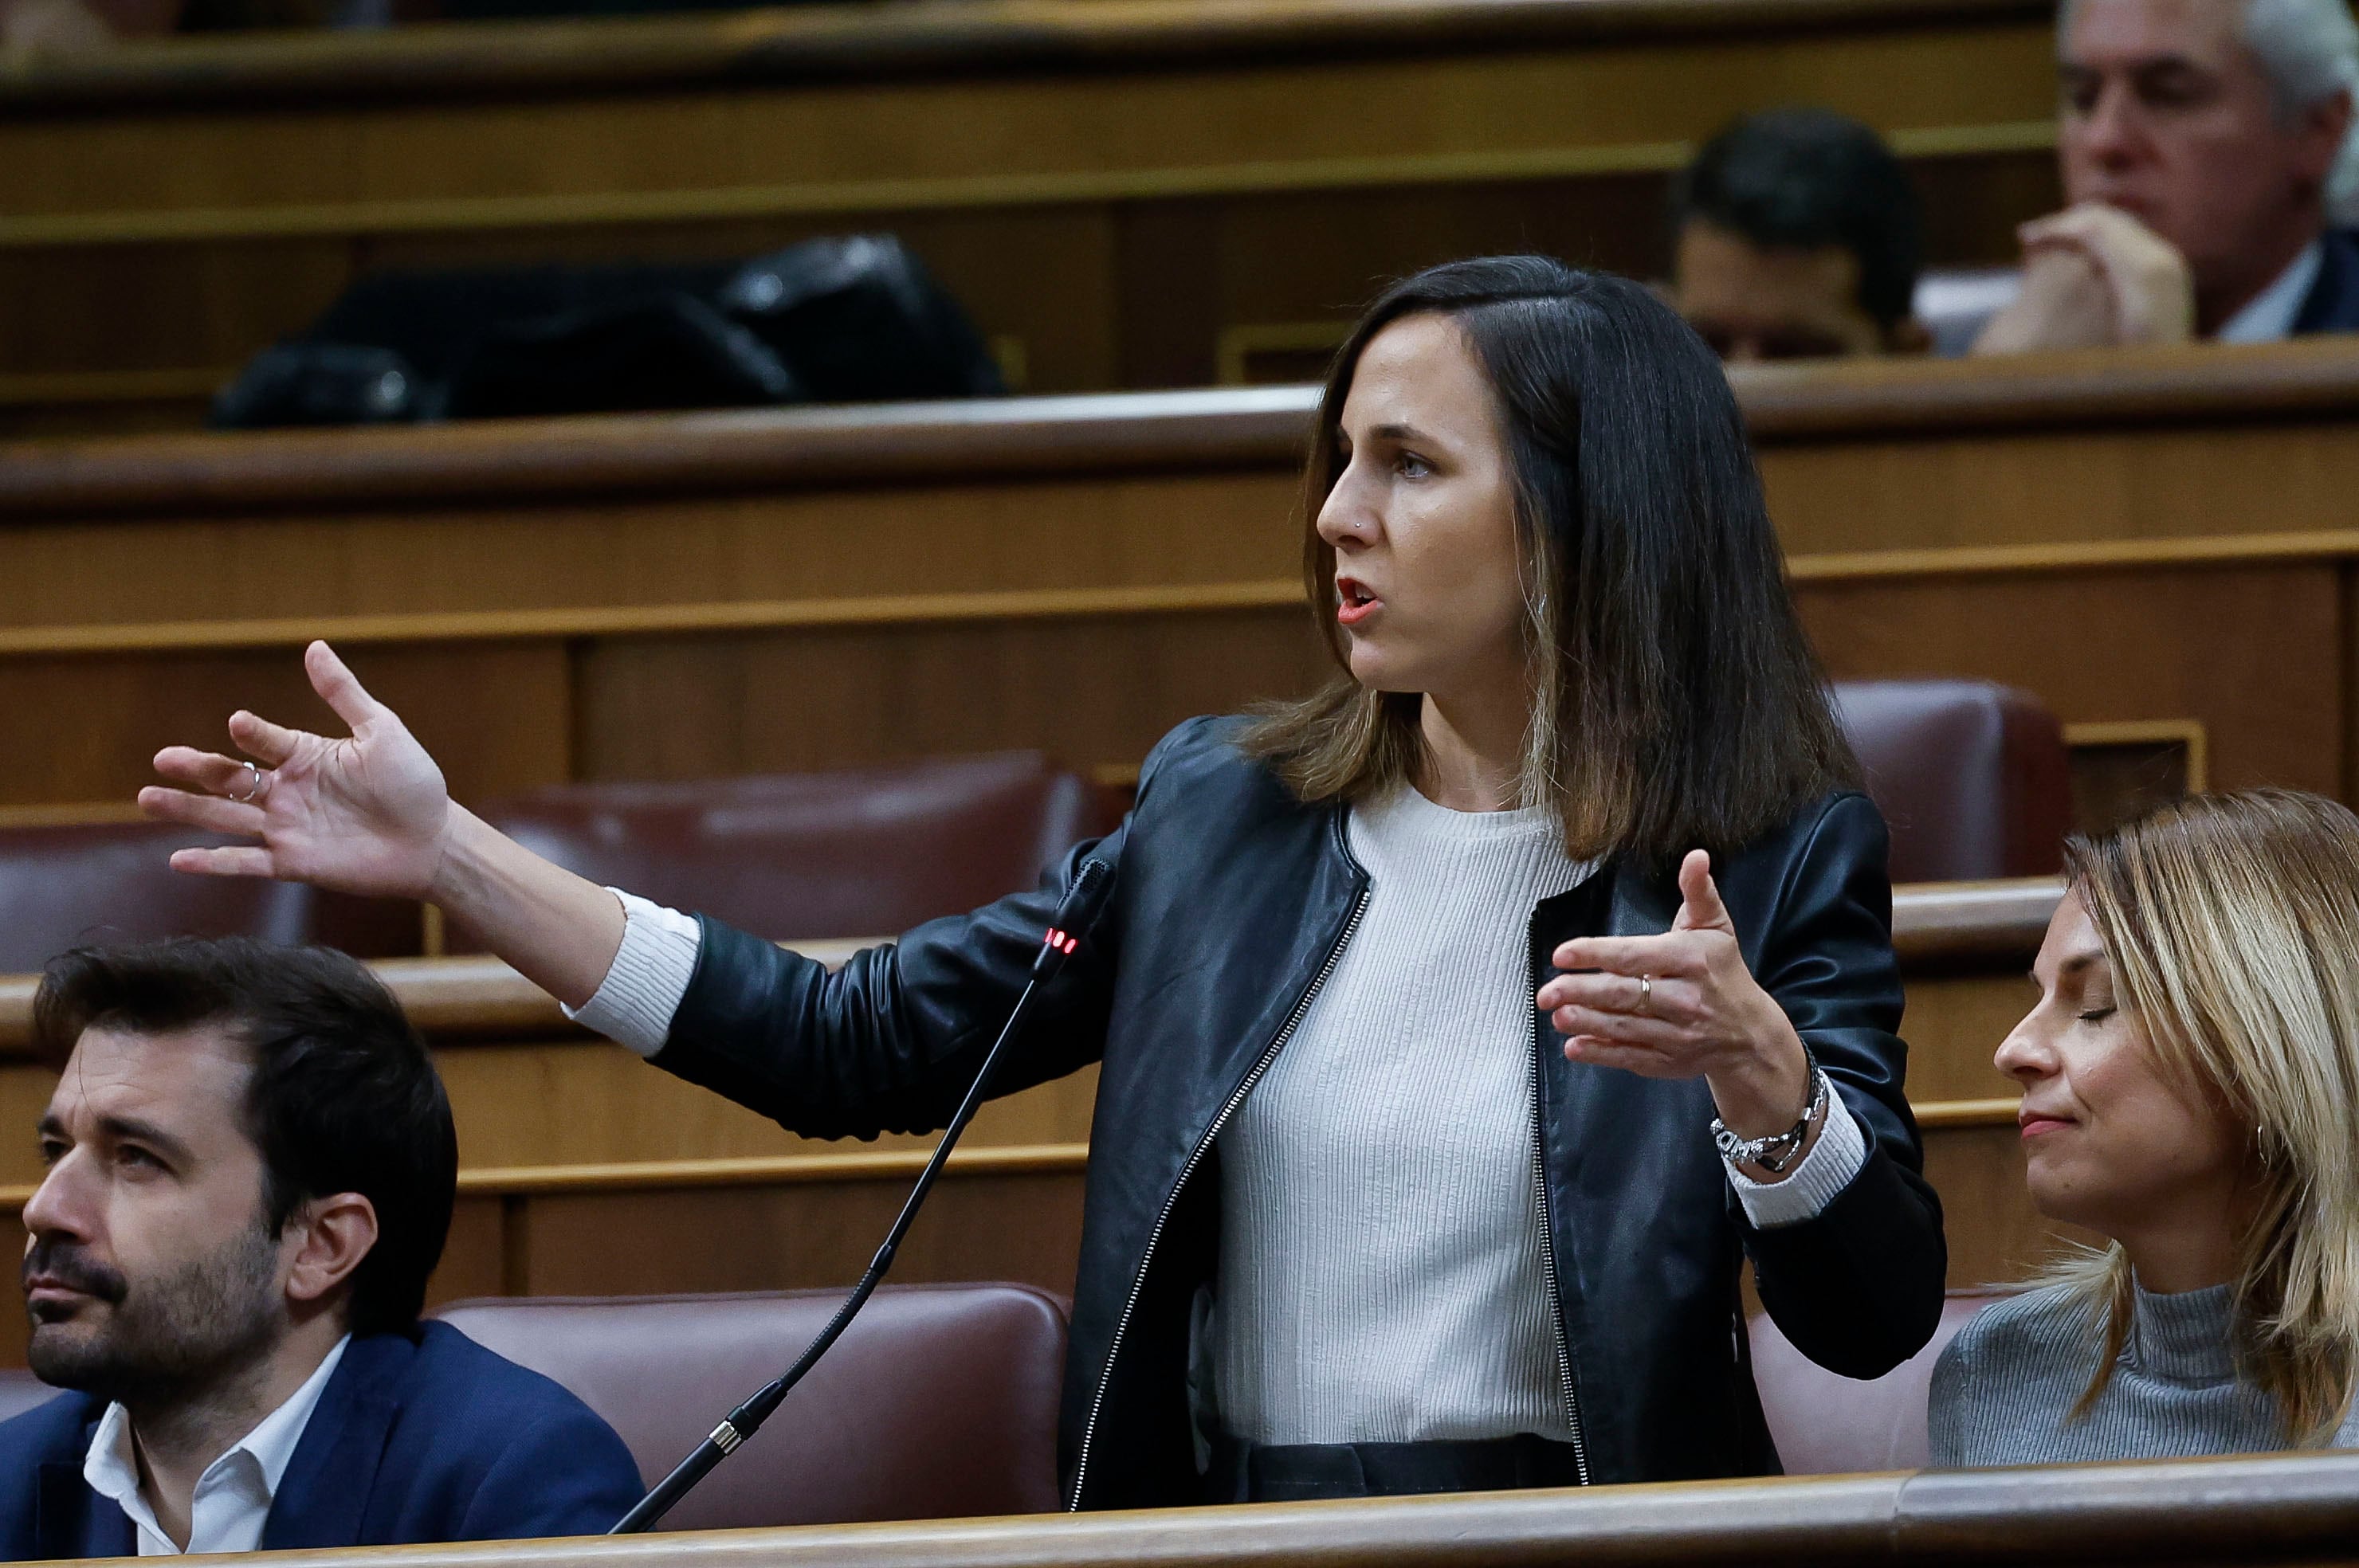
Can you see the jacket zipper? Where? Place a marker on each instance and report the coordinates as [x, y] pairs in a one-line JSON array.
[[1195, 1157], [1547, 1231]]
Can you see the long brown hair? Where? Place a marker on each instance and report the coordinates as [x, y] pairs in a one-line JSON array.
[[1677, 703], [2232, 926]]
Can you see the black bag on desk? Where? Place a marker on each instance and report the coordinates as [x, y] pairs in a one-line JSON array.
[[668, 350], [830, 321], [319, 383], [861, 321]]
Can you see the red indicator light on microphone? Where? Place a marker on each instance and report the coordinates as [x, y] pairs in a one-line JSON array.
[[1070, 943]]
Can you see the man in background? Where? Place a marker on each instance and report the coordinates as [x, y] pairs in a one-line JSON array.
[[251, 1166], [2204, 148], [1798, 237]]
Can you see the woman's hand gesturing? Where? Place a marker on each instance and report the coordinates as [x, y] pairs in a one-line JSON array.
[[368, 814], [1683, 1005]]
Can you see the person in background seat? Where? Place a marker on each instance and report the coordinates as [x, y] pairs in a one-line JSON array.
[[2207, 158], [2190, 1092], [251, 1170], [1798, 237]]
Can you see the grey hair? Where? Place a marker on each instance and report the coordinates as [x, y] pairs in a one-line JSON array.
[[2309, 50]]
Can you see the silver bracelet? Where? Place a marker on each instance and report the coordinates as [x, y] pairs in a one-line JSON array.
[[1776, 1151]]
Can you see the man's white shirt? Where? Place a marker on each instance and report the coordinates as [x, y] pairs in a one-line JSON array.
[[2268, 317], [232, 1497]]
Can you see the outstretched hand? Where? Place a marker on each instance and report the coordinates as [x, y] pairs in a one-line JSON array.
[[1683, 1005], [363, 814]]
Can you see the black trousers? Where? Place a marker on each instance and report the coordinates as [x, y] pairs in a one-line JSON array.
[[1249, 1473]]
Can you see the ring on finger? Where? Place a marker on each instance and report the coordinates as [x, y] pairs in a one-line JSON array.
[[256, 781], [1646, 993]]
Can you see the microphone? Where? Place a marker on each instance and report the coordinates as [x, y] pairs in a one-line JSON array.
[[1074, 916]]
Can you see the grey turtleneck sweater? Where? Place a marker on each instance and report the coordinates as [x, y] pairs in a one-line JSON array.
[[2004, 1389]]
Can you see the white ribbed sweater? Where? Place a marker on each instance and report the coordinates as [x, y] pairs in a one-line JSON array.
[[1383, 1272]]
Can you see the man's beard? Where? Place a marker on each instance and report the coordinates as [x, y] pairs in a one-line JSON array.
[[155, 1342]]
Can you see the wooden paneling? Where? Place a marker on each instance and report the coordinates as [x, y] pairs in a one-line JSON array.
[[2243, 648], [1129, 295], [585, 1171], [570, 1233], [1994, 489], [822, 43], [24, 1095], [2137, 539], [1473, 105], [1954, 1022], [1995, 1234], [474, 1257], [495, 716], [182, 306], [530, 1091], [582, 1101], [764, 1235], [15, 1327], [1026, 1228], [1092, 690], [573, 1101], [1195, 270], [1107, 191], [897, 544], [1009, 1213]]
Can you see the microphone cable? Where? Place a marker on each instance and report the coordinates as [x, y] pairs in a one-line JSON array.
[[1074, 916]]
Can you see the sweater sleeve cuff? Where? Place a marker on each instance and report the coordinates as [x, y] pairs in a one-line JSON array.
[[650, 973], [1814, 1183]]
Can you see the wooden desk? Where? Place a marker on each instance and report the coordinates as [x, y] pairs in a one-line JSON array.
[[585, 1173], [2265, 1509], [2160, 545], [533, 1092], [1126, 193]]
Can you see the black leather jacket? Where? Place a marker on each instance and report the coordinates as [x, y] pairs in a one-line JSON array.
[[1231, 902]]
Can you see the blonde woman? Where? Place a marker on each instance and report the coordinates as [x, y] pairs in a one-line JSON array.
[[2190, 1092]]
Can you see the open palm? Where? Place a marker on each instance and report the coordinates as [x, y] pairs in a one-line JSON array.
[[363, 814]]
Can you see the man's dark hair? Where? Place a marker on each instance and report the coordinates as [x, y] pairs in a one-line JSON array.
[[344, 1098], [1803, 178]]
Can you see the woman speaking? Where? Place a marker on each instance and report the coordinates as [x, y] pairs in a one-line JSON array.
[[1462, 1026]]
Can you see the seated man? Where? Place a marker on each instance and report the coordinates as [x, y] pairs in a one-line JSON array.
[[1797, 237], [251, 1170], [2203, 152]]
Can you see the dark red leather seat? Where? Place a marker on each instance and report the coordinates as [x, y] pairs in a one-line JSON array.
[[857, 853], [60, 887], [1970, 775], [1827, 1424], [938, 1402]]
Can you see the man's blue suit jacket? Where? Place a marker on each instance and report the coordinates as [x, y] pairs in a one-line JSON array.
[[418, 1437], [2333, 303]]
